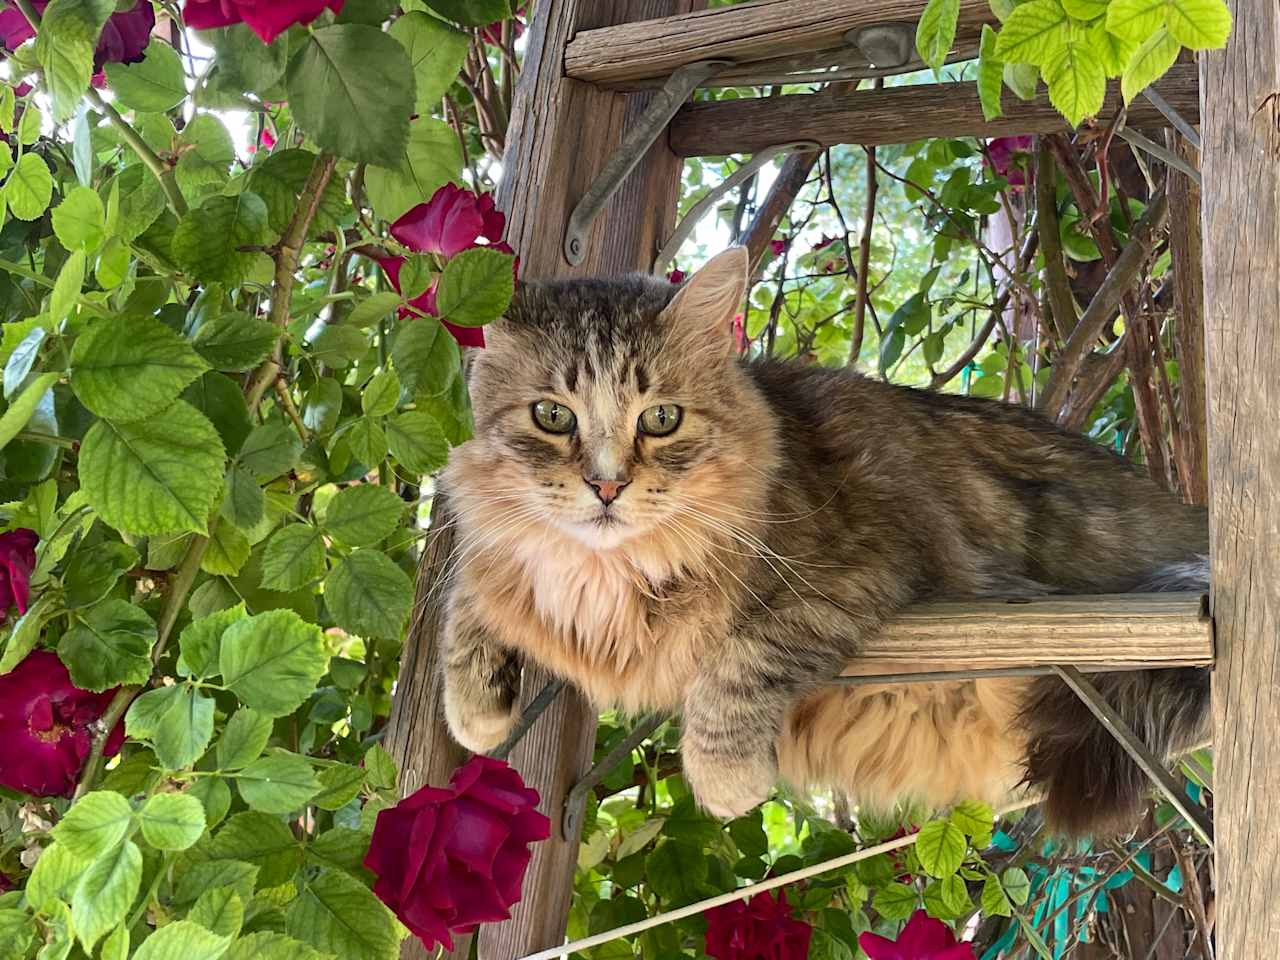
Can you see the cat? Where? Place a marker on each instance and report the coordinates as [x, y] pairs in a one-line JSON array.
[[671, 527]]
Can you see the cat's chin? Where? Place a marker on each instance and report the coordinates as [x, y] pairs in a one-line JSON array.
[[602, 533]]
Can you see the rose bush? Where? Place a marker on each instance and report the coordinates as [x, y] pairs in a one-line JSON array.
[[761, 928]]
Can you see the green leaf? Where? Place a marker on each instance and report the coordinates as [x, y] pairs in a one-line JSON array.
[[220, 911], [1114, 53], [895, 901], [676, 871], [1033, 32], [26, 632], [270, 946], [105, 892], [235, 341], [322, 406], [471, 13], [215, 796], [55, 876], [1077, 85], [366, 440], [994, 901], [172, 821], [116, 946], [201, 642], [64, 48], [182, 940], [339, 785], [1156, 55], [372, 309], [426, 355], [206, 153], [476, 287], [278, 783], [1199, 24], [23, 407], [29, 187], [270, 450], [244, 739], [155, 85], [1136, 20], [369, 595], [254, 65], [280, 179], [947, 899], [201, 875], [110, 646], [431, 158], [185, 730], [936, 31], [157, 475], [227, 552], [339, 346], [113, 264], [259, 839], [80, 220], [990, 75], [337, 914], [132, 367], [147, 712], [363, 514], [141, 200], [1016, 885], [940, 845], [1023, 79], [66, 289], [379, 767], [293, 558], [436, 52], [351, 88], [207, 240], [417, 273], [273, 661], [381, 394], [417, 442], [1085, 9], [341, 847], [976, 819], [23, 359], [245, 503], [94, 824]]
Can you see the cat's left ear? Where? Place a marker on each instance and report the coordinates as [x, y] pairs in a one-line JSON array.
[[706, 304]]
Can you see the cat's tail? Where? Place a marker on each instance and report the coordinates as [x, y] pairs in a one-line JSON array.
[[1091, 785]]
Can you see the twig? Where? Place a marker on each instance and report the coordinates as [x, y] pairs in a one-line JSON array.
[[1062, 306], [864, 259], [149, 157], [1194, 896]]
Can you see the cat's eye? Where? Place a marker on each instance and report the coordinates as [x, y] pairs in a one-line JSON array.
[[660, 420], [553, 417]]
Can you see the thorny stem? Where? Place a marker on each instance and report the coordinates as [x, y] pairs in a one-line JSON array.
[[149, 157]]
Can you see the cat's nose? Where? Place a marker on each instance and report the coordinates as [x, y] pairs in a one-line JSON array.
[[607, 490]]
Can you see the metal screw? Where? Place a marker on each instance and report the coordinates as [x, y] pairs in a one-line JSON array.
[[884, 44]]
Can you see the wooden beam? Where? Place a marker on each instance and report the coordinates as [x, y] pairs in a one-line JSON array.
[[761, 38], [897, 115], [1138, 630], [1240, 208]]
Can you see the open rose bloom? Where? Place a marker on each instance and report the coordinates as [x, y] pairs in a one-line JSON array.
[[761, 928], [450, 858], [923, 938], [267, 18]]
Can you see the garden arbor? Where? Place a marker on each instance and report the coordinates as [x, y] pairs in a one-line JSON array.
[[586, 191]]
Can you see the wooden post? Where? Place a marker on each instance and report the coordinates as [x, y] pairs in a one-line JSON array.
[[1240, 127], [562, 132]]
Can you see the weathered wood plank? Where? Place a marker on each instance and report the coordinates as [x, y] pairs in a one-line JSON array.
[[1153, 630], [768, 36], [897, 115], [1241, 214]]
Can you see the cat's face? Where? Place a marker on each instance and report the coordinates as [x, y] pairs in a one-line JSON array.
[[604, 411]]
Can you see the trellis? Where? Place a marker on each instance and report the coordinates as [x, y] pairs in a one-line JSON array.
[[585, 99]]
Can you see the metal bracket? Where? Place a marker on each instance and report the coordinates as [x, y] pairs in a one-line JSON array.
[[537, 706], [575, 804], [1173, 116], [1150, 764], [634, 145], [699, 210], [885, 45]]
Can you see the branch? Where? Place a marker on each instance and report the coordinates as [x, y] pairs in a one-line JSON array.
[[791, 179], [1102, 308], [1062, 306], [864, 259]]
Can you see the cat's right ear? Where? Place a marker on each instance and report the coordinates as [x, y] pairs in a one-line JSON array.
[[705, 306]]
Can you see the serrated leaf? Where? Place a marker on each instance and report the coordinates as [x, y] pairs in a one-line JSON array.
[[417, 442], [936, 31], [975, 819], [1023, 79], [255, 65], [141, 200], [1136, 20], [895, 901], [105, 892], [426, 355], [366, 440], [351, 88], [172, 821], [1077, 85], [66, 289], [24, 406], [1033, 32], [476, 286], [245, 503], [947, 899], [54, 877], [293, 558], [1199, 24], [367, 594], [381, 394], [156, 84], [147, 712], [116, 946], [201, 875], [259, 839], [94, 824], [990, 75], [219, 911], [1114, 53], [280, 179], [339, 346], [185, 730], [182, 940], [270, 450], [235, 341], [322, 406], [436, 52], [363, 514], [1149, 63], [379, 767], [157, 475], [372, 309], [1085, 9], [941, 846], [109, 646], [339, 785], [127, 368], [273, 661], [244, 739], [206, 243], [201, 642], [994, 901], [278, 783], [340, 847], [1016, 885], [64, 48], [227, 552], [80, 220], [337, 914], [471, 13], [431, 158], [265, 945]]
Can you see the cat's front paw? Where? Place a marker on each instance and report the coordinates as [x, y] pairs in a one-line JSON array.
[[729, 786], [478, 727]]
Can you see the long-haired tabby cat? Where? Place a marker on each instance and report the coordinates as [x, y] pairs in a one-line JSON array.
[[670, 527]]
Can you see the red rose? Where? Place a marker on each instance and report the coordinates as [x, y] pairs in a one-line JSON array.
[[45, 725], [676, 276], [17, 560], [777, 246], [448, 859], [267, 18], [1003, 155], [492, 34], [923, 938], [124, 35], [761, 928]]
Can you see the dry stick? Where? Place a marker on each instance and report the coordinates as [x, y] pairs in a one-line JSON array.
[[864, 258], [1062, 305], [783, 192], [1095, 379], [742, 893], [1102, 308], [1194, 896]]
